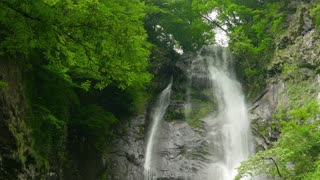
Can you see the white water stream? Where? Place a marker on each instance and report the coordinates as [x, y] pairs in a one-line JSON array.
[[157, 115], [229, 130]]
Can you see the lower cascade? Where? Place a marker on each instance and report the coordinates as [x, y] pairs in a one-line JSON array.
[[210, 147], [157, 114]]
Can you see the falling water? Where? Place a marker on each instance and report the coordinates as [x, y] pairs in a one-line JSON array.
[[158, 113], [229, 128], [226, 139]]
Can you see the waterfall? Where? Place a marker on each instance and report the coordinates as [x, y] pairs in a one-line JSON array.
[[229, 128], [215, 136], [157, 114]]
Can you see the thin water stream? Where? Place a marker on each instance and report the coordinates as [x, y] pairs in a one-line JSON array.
[[157, 115]]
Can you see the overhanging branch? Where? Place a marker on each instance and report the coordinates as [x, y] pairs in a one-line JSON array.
[[215, 23], [278, 170], [24, 14]]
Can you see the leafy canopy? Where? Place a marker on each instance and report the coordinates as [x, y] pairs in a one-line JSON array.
[[95, 42], [252, 26], [177, 24]]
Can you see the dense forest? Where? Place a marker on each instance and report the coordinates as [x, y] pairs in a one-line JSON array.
[[86, 67]]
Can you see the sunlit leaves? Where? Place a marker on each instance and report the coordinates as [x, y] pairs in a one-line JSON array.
[[315, 13], [295, 154], [177, 23], [103, 41]]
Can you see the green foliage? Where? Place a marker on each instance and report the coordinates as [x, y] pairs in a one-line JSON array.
[[288, 69], [315, 13], [280, 114], [137, 100], [122, 103], [294, 155], [195, 122], [200, 112], [3, 85], [47, 133], [170, 22], [315, 174], [51, 90], [50, 100], [299, 92], [93, 42], [252, 43], [104, 177], [67, 45], [276, 23], [96, 124], [55, 107], [202, 104], [252, 27]]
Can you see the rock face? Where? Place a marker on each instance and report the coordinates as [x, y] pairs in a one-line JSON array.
[[261, 113], [14, 135], [182, 151], [127, 155], [299, 45], [182, 145], [295, 75]]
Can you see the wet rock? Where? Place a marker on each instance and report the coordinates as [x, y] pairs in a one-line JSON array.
[[261, 113], [127, 155], [182, 151]]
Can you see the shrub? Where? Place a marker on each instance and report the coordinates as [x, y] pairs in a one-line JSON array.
[[96, 124]]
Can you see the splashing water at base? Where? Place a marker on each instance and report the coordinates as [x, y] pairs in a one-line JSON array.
[[157, 115]]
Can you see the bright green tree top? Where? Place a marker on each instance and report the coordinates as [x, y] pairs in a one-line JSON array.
[[101, 42]]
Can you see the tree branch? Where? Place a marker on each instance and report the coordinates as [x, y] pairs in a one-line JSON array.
[[215, 23], [26, 15], [278, 170], [20, 12]]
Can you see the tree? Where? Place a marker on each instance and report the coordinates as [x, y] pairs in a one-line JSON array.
[[177, 23], [97, 43]]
